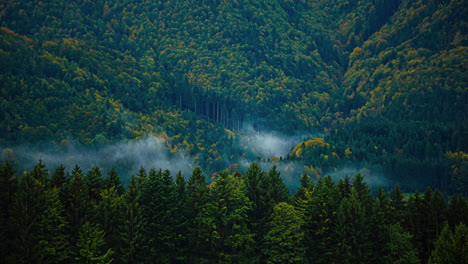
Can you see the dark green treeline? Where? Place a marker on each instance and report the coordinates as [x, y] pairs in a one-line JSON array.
[[88, 217]]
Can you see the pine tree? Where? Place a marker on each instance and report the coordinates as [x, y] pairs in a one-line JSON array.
[[344, 187], [52, 237], [91, 247], [40, 173], [8, 187], [352, 231], [27, 207], [259, 191], [451, 247], [283, 242], [158, 201], [76, 202], [58, 177], [94, 183], [278, 191], [223, 223], [196, 198], [109, 214], [113, 180], [397, 204], [306, 186], [132, 225], [457, 211], [398, 247], [320, 216]]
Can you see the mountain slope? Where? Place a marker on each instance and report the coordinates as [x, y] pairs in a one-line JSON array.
[[386, 78]]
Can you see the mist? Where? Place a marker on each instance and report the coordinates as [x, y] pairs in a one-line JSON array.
[[267, 144], [126, 156], [372, 176]]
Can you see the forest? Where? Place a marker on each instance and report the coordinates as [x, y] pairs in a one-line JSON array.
[[155, 119], [382, 82], [88, 217]]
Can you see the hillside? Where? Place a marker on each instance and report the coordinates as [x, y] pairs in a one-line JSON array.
[[385, 81]]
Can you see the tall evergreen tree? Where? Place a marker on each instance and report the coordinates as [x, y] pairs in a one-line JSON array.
[[94, 183], [113, 180], [8, 187], [320, 216], [259, 192], [196, 198], [278, 191], [451, 247], [77, 202], [283, 242], [132, 225], [397, 204], [52, 238], [58, 177], [109, 215], [159, 210], [224, 222], [352, 232], [457, 211], [27, 207], [91, 246]]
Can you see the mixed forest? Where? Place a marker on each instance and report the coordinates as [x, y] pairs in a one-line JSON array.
[[377, 85], [382, 82], [85, 217]]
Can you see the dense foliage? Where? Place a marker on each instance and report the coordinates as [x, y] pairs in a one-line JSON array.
[[385, 80], [84, 217]]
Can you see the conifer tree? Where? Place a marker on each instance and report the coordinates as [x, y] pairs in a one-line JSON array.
[[259, 192], [58, 177], [457, 211], [159, 210], [113, 180], [283, 242], [132, 225], [397, 204], [94, 183], [223, 223], [109, 215], [196, 199], [8, 187], [52, 238], [451, 247], [77, 202], [278, 191], [27, 207], [321, 214], [352, 231], [91, 246], [306, 186]]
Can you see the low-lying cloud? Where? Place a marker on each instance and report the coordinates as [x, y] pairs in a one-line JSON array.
[[126, 156]]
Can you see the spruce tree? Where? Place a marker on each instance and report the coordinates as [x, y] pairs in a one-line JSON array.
[[52, 237], [91, 246], [451, 247], [132, 225], [158, 201], [113, 180], [283, 242], [27, 208], [224, 222], [58, 177]]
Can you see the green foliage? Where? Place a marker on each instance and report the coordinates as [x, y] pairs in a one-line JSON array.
[[166, 220], [91, 246], [451, 246], [284, 238]]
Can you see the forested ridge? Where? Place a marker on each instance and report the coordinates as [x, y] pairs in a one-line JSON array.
[[377, 87], [383, 82], [89, 217]]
